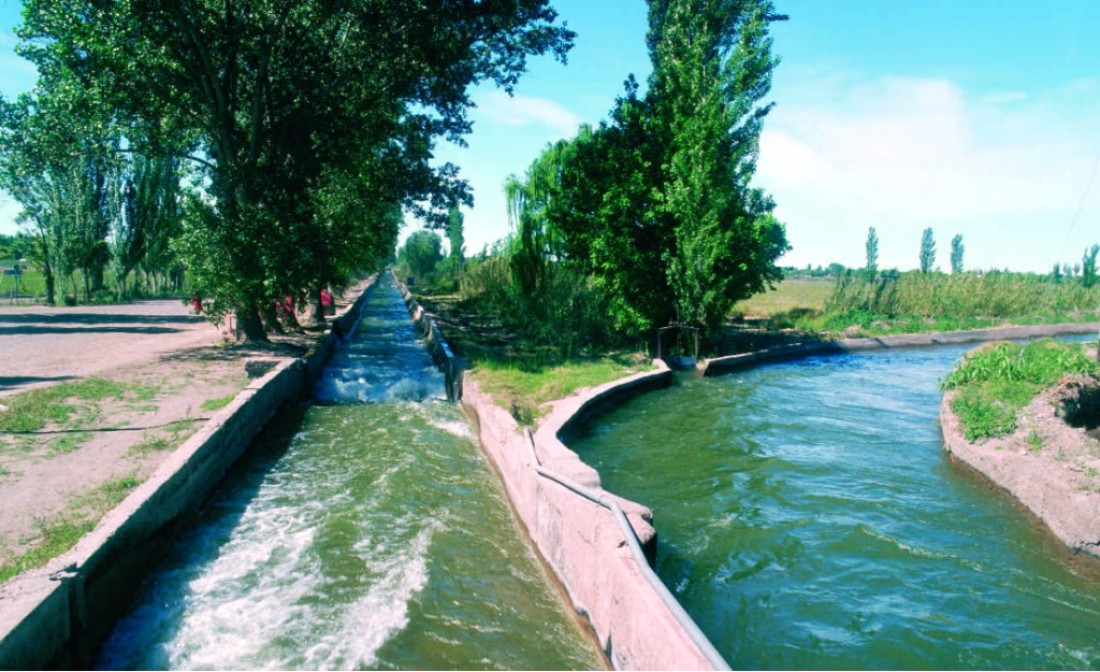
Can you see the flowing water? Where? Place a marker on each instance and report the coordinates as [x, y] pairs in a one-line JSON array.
[[356, 535], [809, 519]]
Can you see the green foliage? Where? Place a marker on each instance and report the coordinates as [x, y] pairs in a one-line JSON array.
[[456, 237], [997, 380], [872, 252], [309, 123], [569, 314], [957, 251], [524, 386], [421, 252], [219, 402], [1088, 267], [655, 205], [927, 251], [935, 301]]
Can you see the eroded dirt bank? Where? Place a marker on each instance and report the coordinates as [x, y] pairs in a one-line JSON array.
[[1049, 467]]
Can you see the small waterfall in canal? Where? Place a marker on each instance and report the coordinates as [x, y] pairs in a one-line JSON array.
[[368, 532]]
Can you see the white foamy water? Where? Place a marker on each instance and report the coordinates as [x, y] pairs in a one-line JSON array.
[[356, 536]]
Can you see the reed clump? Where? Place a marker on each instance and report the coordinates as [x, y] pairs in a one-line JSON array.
[[914, 301]]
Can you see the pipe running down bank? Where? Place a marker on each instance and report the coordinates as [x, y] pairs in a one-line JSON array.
[[603, 499]]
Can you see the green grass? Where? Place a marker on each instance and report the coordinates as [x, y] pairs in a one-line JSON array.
[[791, 297], [215, 404], [167, 438], [997, 380], [61, 534], [523, 388], [32, 410], [915, 302]]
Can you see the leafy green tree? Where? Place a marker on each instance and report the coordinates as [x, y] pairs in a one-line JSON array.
[[274, 98], [421, 252], [872, 252], [1088, 266], [957, 250], [927, 251], [656, 204], [455, 236]]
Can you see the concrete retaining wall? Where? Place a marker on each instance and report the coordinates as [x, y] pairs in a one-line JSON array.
[[54, 616], [721, 365], [580, 540], [444, 358]]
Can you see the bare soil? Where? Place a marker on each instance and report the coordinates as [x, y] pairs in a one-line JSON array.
[[1047, 465], [182, 367]]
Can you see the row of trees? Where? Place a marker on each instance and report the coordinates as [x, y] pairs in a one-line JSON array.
[[306, 128], [655, 208], [1086, 270], [927, 252]]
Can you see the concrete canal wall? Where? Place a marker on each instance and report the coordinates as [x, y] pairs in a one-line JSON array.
[[579, 540], [54, 616]]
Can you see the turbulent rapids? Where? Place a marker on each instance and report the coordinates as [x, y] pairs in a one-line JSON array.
[[356, 535]]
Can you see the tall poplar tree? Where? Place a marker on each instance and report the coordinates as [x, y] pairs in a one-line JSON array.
[[872, 252]]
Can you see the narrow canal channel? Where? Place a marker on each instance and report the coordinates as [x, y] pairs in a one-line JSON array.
[[808, 519], [366, 532]]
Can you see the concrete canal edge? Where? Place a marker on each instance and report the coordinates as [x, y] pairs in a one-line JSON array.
[[1070, 513], [728, 364], [54, 616], [578, 540]]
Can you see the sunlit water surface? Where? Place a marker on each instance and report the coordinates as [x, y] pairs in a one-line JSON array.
[[809, 519], [357, 535]]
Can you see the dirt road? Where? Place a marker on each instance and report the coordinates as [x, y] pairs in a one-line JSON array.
[[40, 345]]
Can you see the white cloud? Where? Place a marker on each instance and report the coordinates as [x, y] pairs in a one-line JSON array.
[[909, 153], [499, 107]]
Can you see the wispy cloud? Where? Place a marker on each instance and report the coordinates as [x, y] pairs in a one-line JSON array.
[[498, 107], [910, 153]]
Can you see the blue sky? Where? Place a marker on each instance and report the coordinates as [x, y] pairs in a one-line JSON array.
[[973, 117]]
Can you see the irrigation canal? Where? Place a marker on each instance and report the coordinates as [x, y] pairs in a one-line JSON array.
[[366, 531], [809, 519]]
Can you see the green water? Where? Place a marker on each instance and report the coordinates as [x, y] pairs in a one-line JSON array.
[[357, 535], [809, 519]]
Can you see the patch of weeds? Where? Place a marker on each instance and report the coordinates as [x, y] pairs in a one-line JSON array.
[[1086, 469], [67, 443], [994, 382], [523, 386], [150, 446], [31, 410], [1034, 441], [55, 539], [166, 439], [215, 404], [62, 533]]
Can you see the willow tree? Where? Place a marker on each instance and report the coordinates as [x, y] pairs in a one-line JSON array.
[[273, 97]]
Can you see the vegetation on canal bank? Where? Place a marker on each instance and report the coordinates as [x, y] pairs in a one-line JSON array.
[[997, 380], [915, 302]]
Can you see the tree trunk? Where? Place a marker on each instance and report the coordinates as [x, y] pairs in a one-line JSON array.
[[51, 291], [251, 325]]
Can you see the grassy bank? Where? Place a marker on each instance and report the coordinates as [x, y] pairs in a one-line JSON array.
[[996, 381], [523, 388], [855, 305]]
